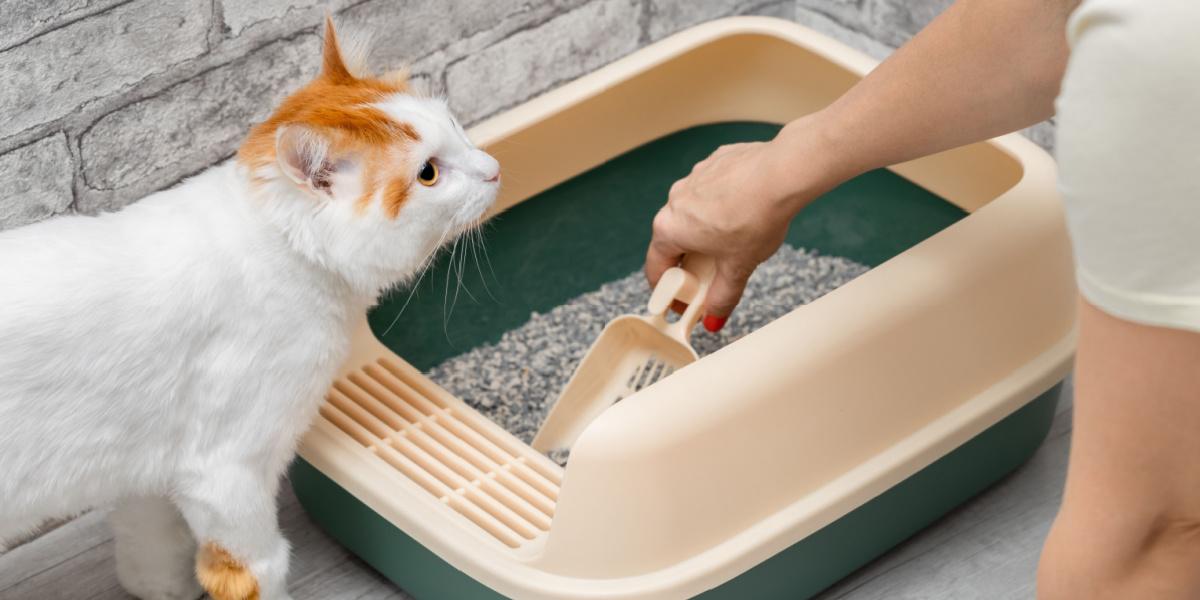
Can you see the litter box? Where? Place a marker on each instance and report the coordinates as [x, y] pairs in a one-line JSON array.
[[769, 469]]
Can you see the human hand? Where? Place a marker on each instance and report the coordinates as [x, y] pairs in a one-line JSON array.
[[736, 206]]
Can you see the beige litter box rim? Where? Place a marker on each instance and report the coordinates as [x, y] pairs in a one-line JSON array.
[[677, 542]]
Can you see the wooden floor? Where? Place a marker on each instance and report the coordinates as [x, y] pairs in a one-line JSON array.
[[987, 548]]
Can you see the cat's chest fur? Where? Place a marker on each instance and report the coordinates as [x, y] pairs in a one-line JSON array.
[[179, 334]]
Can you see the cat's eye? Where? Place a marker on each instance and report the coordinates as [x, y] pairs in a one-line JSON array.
[[429, 173]]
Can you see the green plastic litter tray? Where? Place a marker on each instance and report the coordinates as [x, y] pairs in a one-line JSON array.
[[769, 469]]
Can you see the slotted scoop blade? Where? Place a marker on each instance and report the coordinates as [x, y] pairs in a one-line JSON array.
[[631, 353]]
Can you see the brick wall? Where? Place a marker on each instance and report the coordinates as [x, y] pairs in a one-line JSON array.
[[105, 101]]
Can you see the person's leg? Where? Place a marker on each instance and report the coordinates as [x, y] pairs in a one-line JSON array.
[[1129, 165], [1129, 526]]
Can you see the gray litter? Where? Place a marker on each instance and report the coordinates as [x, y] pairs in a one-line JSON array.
[[515, 381]]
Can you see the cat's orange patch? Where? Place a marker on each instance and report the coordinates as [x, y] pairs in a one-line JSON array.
[[223, 576], [339, 105], [394, 196], [379, 173]]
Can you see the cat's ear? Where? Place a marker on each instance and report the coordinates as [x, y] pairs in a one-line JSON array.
[[333, 65], [303, 155]]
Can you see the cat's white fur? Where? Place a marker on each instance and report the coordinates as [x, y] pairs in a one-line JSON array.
[[167, 357]]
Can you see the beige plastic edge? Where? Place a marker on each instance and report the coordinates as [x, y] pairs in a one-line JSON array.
[[696, 479]]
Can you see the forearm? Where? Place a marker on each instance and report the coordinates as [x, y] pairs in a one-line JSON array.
[[982, 68]]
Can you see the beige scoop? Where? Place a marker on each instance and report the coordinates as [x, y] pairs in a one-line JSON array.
[[631, 353]]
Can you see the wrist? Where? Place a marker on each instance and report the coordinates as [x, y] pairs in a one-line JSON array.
[[811, 161]]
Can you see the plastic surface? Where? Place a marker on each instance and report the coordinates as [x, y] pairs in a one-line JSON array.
[[633, 352], [738, 456], [598, 232], [798, 572]]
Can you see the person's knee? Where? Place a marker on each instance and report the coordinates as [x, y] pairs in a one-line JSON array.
[[1152, 556]]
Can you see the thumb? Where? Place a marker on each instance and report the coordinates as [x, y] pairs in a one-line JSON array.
[[723, 295]]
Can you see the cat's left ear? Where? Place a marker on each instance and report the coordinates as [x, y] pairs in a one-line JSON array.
[[334, 67], [304, 156]]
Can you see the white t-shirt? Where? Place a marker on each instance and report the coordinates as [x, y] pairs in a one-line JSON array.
[[1128, 151]]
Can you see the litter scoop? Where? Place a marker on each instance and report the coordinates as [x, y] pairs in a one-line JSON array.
[[632, 352]]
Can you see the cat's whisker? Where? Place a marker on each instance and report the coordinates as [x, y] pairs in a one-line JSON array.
[[462, 275], [487, 258], [461, 268], [416, 284], [426, 264], [446, 290], [477, 242]]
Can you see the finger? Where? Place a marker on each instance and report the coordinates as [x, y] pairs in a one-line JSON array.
[[724, 295], [724, 150], [662, 253], [660, 257], [710, 159], [676, 188]]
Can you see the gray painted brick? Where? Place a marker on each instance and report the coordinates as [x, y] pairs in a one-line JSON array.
[[893, 22], [670, 16], [531, 61], [54, 74], [407, 32], [848, 13], [25, 19], [859, 41], [153, 143], [1042, 134], [36, 179], [239, 16], [75, 66]]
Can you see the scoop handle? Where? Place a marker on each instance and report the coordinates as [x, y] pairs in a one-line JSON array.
[[687, 283]]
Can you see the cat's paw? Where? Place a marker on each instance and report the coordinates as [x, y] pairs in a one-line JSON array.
[[225, 577]]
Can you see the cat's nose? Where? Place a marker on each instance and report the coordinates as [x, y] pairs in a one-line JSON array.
[[489, 167]]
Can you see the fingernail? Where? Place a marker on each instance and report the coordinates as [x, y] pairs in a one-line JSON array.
[[714, 323]]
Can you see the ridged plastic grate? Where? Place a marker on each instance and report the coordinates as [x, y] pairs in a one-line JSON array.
[[400, 416]]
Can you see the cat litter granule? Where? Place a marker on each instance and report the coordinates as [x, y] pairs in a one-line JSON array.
[[515, 381]]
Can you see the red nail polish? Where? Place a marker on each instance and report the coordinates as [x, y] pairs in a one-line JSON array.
[[714, 323]]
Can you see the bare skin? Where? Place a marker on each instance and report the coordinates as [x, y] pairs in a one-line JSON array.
[[977, 71], [1129, 526]]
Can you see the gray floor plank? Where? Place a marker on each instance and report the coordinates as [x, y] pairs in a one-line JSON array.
[[75, 562], [988, 548]]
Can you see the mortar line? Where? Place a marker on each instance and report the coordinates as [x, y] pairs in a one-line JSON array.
[[66, 23]]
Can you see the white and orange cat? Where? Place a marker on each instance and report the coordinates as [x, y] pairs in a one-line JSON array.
[[166, 358]]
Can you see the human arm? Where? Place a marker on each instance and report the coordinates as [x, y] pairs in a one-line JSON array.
[[982, 68]]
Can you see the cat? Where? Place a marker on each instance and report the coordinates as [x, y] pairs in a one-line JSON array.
[[166, 358]]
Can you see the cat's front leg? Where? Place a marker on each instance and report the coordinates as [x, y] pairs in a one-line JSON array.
[[154, 549], [242, 555]]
